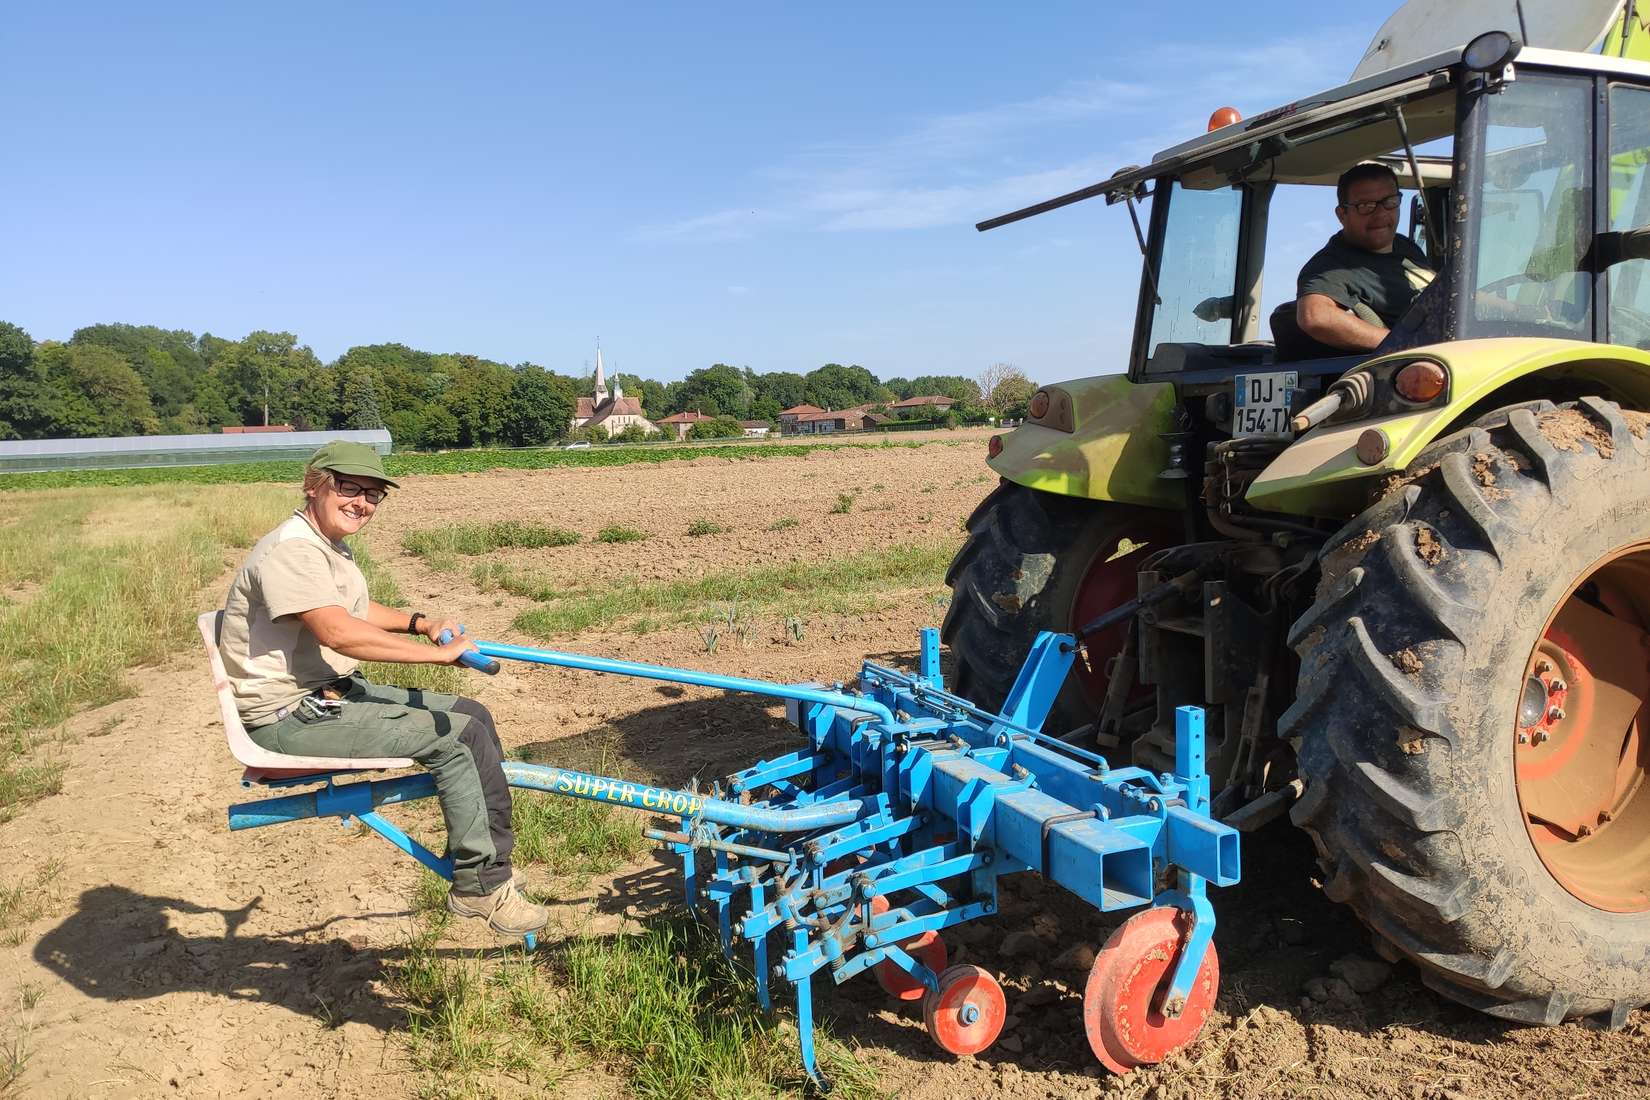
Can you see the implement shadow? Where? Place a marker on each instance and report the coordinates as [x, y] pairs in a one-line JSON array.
[[119, 945]]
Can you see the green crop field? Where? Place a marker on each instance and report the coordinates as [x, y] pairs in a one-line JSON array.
[[448, 462]]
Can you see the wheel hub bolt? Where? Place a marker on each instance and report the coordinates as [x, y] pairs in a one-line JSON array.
[[970, 1013], [1523, 738], [1584, 830], [1543, 666], [1540, 736], [1556, 714], [1557, 685]]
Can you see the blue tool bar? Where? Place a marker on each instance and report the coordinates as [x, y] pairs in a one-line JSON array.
[[1106, 865], [799, 692], [362, 797]]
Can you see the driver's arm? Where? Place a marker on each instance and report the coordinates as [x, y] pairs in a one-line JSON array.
[[1322, 318]]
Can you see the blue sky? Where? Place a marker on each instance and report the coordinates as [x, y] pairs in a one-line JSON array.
[[777, 186]]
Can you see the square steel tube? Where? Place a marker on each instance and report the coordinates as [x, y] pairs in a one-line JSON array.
[[1100, 863]]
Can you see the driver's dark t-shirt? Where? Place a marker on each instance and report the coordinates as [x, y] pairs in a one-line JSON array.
[[1384, 283]]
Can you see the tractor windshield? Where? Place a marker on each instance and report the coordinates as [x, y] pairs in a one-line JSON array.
[[1228, 217]]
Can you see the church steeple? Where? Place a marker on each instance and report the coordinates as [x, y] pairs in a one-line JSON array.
[[601, 376]]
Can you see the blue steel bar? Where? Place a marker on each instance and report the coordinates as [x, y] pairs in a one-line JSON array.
[[640, 796], [688, 676], [361, 797], [296, 807]]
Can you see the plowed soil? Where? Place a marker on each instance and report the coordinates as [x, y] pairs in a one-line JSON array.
[[169, 957]]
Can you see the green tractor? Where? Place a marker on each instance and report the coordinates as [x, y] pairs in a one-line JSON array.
[[1411, 587]]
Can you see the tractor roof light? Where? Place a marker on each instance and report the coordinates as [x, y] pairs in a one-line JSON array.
[[1039, 405], [1224, 116], [1421, 381], [1491, 52], [994, 447]]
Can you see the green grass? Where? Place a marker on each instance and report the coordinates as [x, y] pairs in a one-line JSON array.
[[452, 462], [844, 504], [847, 584], [25, 900], [661, 1008], [484, 538], [784, 523], [615, 532], [115, 583], [705, 527], [572, 837], [678, 1019]]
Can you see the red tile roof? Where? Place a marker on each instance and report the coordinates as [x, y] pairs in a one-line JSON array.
[[683, 418], [801, 410], [917, 402]]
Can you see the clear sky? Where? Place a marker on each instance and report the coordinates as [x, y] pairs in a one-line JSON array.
[[770, 185]]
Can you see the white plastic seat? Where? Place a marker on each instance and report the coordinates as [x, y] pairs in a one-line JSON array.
[[261, 764]]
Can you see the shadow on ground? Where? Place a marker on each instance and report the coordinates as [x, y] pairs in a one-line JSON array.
[[121, 945]]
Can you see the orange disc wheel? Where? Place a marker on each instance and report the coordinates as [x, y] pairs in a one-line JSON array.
[[967, 1014], [927, 949], [1123, 1001]]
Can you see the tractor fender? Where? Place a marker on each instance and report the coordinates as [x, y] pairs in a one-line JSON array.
[[1320, 474], [1114, 450]]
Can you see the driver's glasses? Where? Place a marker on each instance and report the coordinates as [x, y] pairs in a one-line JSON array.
[[1368, 207], [350, 489]]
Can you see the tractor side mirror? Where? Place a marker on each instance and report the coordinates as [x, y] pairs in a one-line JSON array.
[[1613, 247]]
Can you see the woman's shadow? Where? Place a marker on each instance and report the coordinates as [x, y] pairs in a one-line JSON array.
[[120, 945]]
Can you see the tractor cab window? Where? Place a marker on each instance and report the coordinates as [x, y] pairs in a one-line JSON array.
[[1535, 212], [1197, 269], [1629, 281]]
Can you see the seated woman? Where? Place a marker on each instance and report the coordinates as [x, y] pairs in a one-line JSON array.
[[296, 626]]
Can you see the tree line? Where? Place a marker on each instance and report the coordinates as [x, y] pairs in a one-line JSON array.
[[120, 379]]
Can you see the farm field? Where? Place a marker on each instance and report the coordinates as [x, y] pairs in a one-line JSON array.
[[146, 951]]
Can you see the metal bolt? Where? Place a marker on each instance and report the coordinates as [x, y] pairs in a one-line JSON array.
[[1557, 685], [1540, 736], [1604, 816], [970, 1014], [1523, 738], [1543, 666], [1556, 714], [1584, 830]]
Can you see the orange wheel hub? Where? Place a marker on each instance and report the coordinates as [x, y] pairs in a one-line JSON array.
[[1580, 753]]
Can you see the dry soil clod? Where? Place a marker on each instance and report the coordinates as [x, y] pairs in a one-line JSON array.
[[1565, 429], [1427, 546]]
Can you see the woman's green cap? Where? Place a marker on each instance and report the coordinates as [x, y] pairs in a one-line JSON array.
[[343, 457]]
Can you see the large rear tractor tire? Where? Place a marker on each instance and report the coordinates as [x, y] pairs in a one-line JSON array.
[[1035, 561], [1470, 718]]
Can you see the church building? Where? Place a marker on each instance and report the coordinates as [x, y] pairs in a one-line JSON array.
[[612, 412]]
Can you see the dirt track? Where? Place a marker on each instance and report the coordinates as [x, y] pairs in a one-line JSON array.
[[174, 958]]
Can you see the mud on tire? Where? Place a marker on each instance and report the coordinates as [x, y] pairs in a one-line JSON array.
[[1412, 660], [1019, 573]]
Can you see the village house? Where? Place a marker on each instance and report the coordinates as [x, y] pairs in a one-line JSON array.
[[612, 412], [790, 419], [755, 429], [679, 424], [934, 403]]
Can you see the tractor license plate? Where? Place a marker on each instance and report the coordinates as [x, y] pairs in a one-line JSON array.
[[1260, 403]]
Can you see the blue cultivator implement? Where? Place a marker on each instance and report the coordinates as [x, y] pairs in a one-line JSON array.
[[893, 822]]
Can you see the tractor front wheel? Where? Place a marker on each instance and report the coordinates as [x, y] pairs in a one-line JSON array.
[[1471, 714]]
